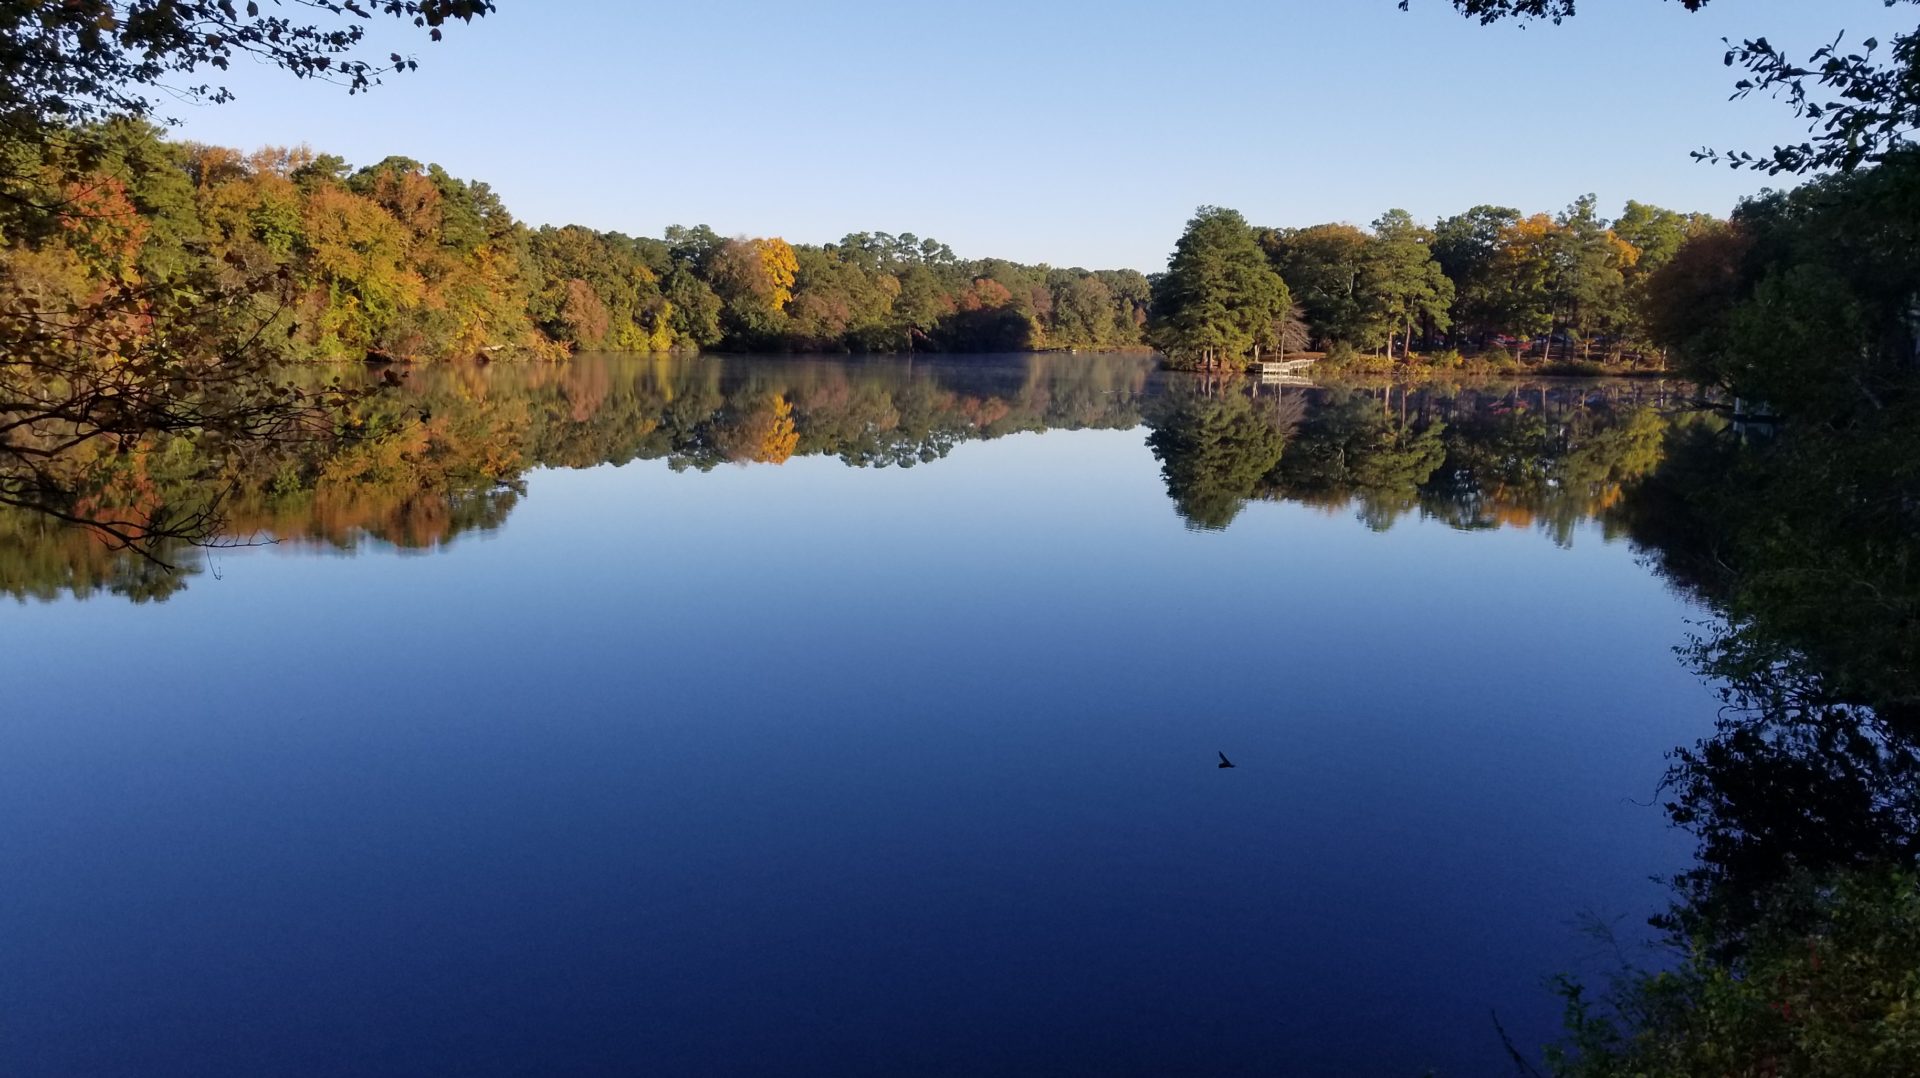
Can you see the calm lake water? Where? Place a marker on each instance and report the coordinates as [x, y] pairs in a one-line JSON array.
[[728, 716]]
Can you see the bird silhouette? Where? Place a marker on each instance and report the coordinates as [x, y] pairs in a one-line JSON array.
[[1224, 762]]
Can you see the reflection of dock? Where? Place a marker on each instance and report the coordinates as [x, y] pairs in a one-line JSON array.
[[1268, 378], [1285, 372]]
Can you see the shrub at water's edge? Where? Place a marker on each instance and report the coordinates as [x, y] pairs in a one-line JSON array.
[[1828, 984]]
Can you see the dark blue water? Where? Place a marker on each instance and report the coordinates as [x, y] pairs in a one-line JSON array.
[[814, 769]]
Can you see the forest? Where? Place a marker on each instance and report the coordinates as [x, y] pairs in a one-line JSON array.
[[295, 256], [1492, 283], [400, 260]]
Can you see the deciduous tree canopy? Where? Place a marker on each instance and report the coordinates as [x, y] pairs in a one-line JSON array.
[[83, 60]]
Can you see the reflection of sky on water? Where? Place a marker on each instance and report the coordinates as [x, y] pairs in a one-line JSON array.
[[830, 770]]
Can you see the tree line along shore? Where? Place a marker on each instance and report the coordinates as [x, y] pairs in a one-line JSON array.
[[319, 261]]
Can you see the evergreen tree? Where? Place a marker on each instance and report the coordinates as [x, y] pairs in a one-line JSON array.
[[1220, 299]]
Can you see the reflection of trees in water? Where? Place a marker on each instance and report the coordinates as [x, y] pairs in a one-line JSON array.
[[1804, 548], [1216, 444], [1545, 468], [42, 558], [703, 413], [1778, 793], [1519, 456], [1799, 920], [444, 455], [1806, 552], [1355, 449], [1806, 545]]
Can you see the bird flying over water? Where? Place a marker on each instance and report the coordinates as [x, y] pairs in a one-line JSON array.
[[1224, 762]]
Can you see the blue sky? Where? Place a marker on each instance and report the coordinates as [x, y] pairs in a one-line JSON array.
[[1069, 132]]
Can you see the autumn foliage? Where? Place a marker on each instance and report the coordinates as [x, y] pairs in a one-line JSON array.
[[400, 260]]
